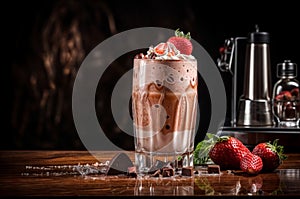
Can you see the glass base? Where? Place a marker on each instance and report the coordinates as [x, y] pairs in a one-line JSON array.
[[148, 163]]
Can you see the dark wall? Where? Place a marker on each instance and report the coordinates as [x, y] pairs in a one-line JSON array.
[[46, 42]]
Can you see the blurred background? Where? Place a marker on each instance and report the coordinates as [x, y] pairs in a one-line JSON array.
[[46, 42]]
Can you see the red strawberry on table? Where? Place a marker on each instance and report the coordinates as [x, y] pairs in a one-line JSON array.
[[251, 164], [271, 154], [182, 42], [227, 152]]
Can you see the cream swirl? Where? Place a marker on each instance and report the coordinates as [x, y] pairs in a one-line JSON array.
[[167, 51]]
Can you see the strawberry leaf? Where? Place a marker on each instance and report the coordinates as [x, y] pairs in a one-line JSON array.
[[278, 149], [179, 33], [201, 153]]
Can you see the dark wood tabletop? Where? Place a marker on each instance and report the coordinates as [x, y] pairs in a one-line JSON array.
[[53, 173]]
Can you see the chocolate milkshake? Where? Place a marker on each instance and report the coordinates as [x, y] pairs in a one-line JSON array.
[[164, 106]]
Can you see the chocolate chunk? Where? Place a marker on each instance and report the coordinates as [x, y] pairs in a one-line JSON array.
[[119, 164], [187, 171], [156, 173], [167, 172], [131, 172], [213, 168]]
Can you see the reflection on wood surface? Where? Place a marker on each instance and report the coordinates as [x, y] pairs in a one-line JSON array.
[[32, 173]]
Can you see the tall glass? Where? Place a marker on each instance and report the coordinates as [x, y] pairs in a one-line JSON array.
[[164, 107]]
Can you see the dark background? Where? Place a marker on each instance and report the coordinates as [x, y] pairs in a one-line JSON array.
[[46, 41]]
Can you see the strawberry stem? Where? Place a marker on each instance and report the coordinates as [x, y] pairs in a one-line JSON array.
[[278, 149], [179, 33], [223, 138]]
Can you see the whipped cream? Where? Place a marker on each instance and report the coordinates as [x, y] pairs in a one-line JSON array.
[[169, 52]]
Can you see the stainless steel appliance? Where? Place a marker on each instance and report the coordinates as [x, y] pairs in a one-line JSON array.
[[255, 107], [246, 62]]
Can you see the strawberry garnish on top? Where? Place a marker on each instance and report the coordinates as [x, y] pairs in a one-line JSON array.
[[161, 48], [270, 153], [182, 42]]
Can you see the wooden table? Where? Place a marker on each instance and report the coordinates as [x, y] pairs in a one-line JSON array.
[[26, 173]]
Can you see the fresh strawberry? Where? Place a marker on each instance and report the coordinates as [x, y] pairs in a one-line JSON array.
[[227, 152], [251, 164], [271, 154], [295, 92], [287, 95], [182, 42]]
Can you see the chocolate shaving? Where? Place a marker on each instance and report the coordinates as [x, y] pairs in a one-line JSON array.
[[156, 173], [167, 172], [119, 164]]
